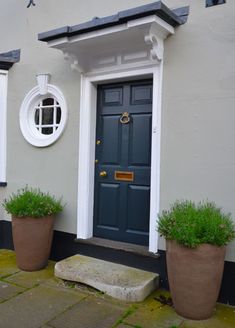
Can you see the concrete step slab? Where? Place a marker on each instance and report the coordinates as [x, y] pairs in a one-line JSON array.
[[119, 281]]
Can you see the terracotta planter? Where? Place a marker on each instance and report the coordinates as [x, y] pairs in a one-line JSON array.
[[32, 238], [194, 277]]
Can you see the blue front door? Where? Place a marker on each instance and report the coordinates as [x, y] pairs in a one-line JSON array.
[[123, 159]]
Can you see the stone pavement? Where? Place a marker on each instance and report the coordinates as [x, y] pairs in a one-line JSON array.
[[39, 300]]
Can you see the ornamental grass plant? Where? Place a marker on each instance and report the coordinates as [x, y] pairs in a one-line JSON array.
[[193, 224], [29, 202]]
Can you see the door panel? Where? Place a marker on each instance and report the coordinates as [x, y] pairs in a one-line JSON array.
[[138, 209], [141, 94], [121, 208], [108, 205], [140, 139], [112, 97], [110, 150]]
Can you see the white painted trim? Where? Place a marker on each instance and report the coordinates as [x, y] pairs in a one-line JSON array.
[[3, 123], [87, 147], [86, 159], [155, 159], [27, 110]]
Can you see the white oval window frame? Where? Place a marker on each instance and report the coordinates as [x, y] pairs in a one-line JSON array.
[[27, 110]]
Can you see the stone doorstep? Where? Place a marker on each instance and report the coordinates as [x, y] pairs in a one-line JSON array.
[[118, 245], [119, 281]]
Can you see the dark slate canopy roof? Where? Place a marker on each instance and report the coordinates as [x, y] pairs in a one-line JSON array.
[[173, 17], [7, 59]]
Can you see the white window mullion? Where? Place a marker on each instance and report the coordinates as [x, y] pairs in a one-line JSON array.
[[54, 115], [40, 117], [3, 119]]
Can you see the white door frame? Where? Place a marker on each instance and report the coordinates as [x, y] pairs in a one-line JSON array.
[[87, 134], [3, 119]]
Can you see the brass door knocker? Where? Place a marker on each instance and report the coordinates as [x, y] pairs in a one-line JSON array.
[[125, 118]]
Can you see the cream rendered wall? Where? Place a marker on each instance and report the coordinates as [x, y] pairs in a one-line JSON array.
[[197, 155], [55, 168], [198, 113]]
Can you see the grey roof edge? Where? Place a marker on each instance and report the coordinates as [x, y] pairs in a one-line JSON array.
[[173, 17], [8, 59], [182, 12]]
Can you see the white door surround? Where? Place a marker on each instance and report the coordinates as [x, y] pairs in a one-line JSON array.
[[130, 51], [87, 133], [3, 118]]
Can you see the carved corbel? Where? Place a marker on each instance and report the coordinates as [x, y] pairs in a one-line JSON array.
[[157, 45], [74, 62]]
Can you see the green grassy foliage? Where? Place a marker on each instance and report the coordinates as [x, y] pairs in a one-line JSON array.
[[193, 224], [33, 203]]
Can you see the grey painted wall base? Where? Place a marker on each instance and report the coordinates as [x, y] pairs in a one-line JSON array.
[[64, 245]]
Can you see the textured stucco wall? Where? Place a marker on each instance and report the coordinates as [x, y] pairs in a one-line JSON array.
[[197, 154]]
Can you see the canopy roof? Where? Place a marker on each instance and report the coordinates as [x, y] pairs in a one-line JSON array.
[[173, 17], [7, 59]]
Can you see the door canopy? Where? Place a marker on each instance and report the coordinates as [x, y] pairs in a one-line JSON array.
[[8, 59], [130, 38]]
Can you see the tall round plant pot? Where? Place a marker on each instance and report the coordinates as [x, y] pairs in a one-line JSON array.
[[194, 277], [32, 238]]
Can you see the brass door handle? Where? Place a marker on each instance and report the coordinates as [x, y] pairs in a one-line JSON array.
[[103, 174]]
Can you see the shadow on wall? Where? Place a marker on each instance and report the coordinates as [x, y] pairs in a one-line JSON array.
[[6, 241]]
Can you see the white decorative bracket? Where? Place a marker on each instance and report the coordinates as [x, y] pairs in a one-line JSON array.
[[43, 80], [74, 62], [157, 44]]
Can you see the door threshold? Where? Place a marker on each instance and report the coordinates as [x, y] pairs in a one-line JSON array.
[[118, 245]]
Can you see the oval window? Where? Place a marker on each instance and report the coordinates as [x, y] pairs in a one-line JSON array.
[[43, 118]]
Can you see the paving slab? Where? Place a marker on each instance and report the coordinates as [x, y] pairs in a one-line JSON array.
[[89, 313], [224, 317], [152, 313], [30, 279], [119, 281], [8, 290], [36, 307], [163, 317], [7, 263]]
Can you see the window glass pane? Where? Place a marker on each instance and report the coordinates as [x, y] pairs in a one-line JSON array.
[[210, 3], [47, 130], [58, 115], [48, 102], [47, 116], [36, 117]]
